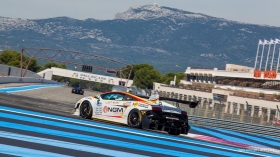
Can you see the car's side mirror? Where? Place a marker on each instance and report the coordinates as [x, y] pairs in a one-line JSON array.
[[98, 98]]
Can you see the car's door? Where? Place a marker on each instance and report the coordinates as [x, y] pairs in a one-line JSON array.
[[112, 105]]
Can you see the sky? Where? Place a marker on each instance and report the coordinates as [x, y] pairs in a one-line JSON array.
[[264, 12]]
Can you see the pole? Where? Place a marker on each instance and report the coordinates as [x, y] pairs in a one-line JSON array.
[[261, 58], [247, 106], [278, 61], [267, 57], [257, 55], [272, 56], [21, 60], [219, 109], [194, 98]]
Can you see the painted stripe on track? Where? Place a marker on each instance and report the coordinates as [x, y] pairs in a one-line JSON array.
[[26, 152], [94, 139], [68, 145], [123, 135], [262, 140], [266, 136], [230, 138], [121, 129], [26, 88]]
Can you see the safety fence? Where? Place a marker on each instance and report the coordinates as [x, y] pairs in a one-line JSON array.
[[249, 115], [243, 113]]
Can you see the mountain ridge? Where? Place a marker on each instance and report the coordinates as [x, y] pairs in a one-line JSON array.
[[167, 38]]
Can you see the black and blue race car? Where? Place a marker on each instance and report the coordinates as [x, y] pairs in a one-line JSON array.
[[78, 90]]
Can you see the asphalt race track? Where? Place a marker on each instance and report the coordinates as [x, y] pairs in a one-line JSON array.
[[37, 122]]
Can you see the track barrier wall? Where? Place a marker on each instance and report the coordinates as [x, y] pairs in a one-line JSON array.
[[6, 70], [9, 74]]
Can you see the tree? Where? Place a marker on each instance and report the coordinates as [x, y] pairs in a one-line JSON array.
[[170, 77], [180, 76], [13, 58], [135, 68], [52, 64], [145, 77]]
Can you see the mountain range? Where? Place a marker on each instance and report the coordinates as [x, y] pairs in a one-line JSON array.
[[167, 38]]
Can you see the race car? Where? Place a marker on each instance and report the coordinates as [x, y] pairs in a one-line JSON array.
[[135, 111], [78, 90]]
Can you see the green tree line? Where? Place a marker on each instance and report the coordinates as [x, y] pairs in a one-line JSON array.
[[143, 75], [13, 58]]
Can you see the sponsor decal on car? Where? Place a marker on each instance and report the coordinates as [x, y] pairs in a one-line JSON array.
[[112, 109], [113, 102], [127, 103], [98, 110], [135, 104], [99, 103], [143, 105]]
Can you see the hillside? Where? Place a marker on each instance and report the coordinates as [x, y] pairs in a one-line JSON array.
[[168, 38]]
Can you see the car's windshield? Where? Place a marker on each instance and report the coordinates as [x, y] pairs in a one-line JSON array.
[[78, 88]]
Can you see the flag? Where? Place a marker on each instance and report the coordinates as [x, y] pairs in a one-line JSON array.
[[271, 41], [277, 41], [265, 42], [260, 42]]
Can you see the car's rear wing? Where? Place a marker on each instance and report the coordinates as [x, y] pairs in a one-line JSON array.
[[154, 98], [192, 104]]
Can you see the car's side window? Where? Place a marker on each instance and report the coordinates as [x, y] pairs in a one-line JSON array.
[[118, 96], [113, 96], [107, 96], [128, 98]]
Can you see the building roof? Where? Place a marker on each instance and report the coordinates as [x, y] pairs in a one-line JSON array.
[[232, 70]]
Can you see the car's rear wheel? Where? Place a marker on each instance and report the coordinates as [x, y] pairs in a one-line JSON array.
[[86, 110], [174, 132], [134, 119]]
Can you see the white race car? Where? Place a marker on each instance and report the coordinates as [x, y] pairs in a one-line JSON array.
[[135, 111]]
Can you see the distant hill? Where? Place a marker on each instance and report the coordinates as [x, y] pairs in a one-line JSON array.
[[170, 39]]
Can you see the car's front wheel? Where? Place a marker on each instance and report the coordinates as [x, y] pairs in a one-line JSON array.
[[134, 119], [86, 110]]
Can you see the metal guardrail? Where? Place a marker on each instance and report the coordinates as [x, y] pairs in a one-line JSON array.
[[236, 126]]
